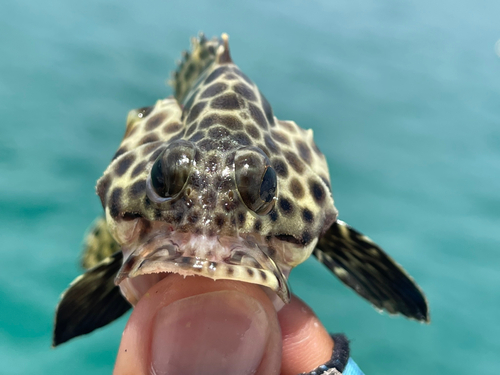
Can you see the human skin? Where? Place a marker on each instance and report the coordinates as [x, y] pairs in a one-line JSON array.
[[195, 325]]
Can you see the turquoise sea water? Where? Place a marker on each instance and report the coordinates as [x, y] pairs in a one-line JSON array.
[[404, 100]]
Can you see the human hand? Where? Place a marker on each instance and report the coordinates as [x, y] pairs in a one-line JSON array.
[[194, 325]]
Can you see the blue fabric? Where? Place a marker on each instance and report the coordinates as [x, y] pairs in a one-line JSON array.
[[352, 368]]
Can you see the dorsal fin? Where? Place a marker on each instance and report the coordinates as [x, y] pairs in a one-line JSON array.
[[203, 54], [223, 55]]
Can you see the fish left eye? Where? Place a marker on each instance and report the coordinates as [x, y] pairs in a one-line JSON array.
[[170, 172], [256, 181]]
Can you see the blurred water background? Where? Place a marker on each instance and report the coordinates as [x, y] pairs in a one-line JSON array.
[[404, 100]]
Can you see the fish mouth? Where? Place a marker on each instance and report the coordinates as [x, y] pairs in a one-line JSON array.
[[243, 258]]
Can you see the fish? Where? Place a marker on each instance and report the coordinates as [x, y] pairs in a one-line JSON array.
[[210, 182]]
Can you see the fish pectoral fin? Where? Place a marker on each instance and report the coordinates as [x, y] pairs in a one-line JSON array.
[[363, 266], [91, 301], [98, 244]]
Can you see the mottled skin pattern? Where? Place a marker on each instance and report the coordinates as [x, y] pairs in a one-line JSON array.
[[210, 182], [223, 113]]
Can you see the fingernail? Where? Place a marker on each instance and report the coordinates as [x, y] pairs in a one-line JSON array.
[[215, 333]]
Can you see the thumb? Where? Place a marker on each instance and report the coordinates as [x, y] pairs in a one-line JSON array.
[[195, 325]]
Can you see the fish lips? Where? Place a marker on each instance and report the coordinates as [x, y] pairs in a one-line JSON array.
[[231, 258]]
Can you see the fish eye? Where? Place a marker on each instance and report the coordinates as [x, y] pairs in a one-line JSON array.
[[256, 181], [170, 172]]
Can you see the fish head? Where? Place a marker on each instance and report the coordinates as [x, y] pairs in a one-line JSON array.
[[215, 186]]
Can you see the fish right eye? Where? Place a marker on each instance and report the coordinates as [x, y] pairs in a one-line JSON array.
[[170, 172]]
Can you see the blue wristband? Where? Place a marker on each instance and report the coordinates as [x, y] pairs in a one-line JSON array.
[[352, 368]]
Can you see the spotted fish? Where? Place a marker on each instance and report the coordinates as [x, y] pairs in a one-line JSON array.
[[209, 182]]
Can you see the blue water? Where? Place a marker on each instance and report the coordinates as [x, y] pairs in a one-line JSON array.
[[404, 100]]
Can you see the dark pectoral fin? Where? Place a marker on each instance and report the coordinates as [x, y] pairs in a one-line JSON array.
[[362, 265], [91, 301]]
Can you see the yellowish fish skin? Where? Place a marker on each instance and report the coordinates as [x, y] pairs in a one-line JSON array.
[[228, 128]]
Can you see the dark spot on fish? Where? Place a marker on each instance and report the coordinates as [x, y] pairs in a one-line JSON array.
[[242, 75], [296, 188], [244, 91], [191, 129], [273, 215], [115, 202], [263, 275], [208, 121], [197, 136], [124, 164], [120, 152], [280, 137], [253, 131], [307, 215], [267, 110], [271, 145], [172, 127], [295, 162], [317, 191], [216, 74], [230, 122], [306, 237], [280, 167], [304, 151], [250, 272], [226, 102], [218, 132], [258, 225], [155, 121], [102, 188], [258, 116], [149, 139], [229, 270], [213, 90], [195, 111], [242, 139], [220, 220], [286, 206], [149, 148], [241, 218], [137, 189]]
